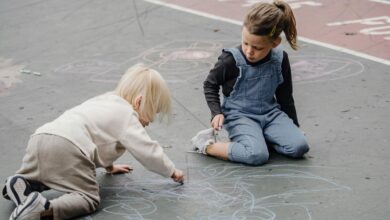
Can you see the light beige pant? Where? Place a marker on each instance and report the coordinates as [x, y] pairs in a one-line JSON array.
[[60, 165]]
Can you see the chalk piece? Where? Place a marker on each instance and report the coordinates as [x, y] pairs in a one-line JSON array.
[[167, 146], [25, 71], [192, 151]]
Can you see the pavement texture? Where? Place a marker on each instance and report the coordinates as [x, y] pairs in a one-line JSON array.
[[73, 50]]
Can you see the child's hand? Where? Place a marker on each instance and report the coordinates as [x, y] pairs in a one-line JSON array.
[[178, 176], [120, 168], [217, 122]]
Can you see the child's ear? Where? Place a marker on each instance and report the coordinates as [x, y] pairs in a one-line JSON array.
[[137, 102], [276, 42]]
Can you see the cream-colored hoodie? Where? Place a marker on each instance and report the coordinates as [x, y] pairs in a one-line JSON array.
[[104, 127]]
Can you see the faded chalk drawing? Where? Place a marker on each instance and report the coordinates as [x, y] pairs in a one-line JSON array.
[[87, 67], [99, 68], [101, 71], [189, 62], [9, 74], [314, 68], [223, 191], [183, 61], [177, 61]]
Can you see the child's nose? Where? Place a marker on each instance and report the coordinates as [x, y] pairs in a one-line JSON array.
[[249, 51]]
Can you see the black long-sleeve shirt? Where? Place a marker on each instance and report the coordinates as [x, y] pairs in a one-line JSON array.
[[225, 73]]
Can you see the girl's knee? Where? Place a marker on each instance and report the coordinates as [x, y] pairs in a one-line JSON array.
[[258, 158], [298, 149], [249, 152]]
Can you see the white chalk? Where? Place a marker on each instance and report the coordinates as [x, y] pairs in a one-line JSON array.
[[26, 71]]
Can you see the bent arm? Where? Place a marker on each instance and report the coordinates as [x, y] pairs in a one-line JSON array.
[[145, 150], [284, 92]]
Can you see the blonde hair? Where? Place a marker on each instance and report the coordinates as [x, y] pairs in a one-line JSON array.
[[141, 80], [270, 19]]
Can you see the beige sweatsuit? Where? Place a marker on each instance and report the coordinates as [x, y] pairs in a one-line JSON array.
[[63, 154]]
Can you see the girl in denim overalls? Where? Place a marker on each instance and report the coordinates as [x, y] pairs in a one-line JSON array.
[[258, 106]]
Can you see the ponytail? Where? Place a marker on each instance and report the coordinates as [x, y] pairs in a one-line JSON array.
[[289, 26]]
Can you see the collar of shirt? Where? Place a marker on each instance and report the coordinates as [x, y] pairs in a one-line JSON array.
[[266, 58]]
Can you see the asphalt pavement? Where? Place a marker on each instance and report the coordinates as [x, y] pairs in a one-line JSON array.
[[56, 54]]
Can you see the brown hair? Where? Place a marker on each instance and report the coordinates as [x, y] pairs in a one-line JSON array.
[[270, 19]]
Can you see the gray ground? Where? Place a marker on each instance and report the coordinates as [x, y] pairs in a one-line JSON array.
[[81, 48]]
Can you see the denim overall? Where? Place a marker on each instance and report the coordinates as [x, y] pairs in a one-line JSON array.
[[253, 117]]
